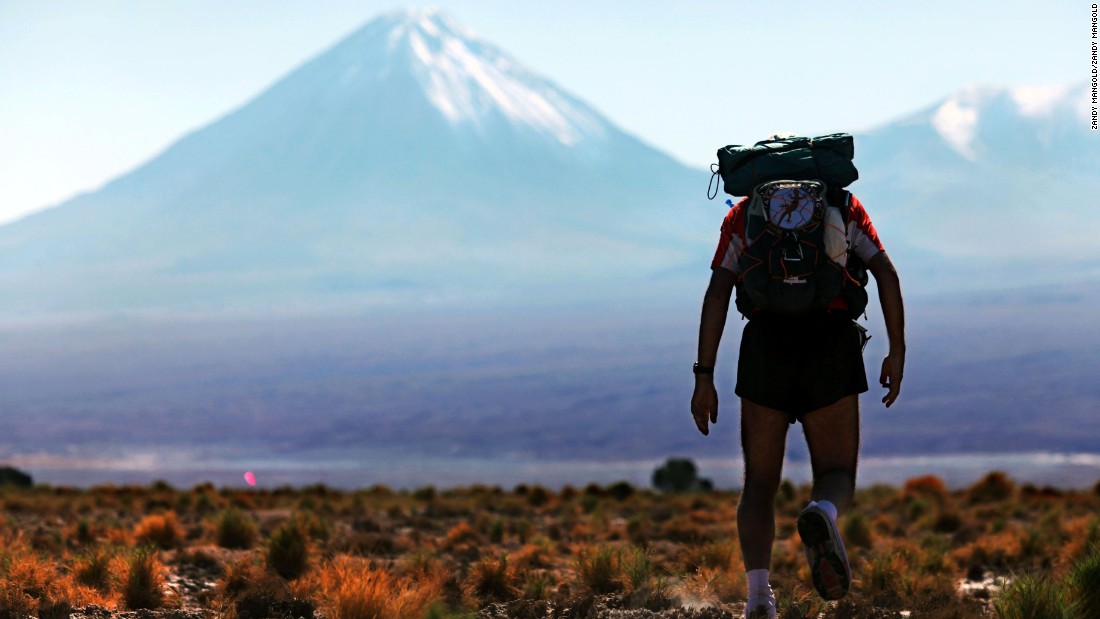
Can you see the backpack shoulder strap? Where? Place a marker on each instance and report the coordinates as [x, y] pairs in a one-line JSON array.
[[840, 198]]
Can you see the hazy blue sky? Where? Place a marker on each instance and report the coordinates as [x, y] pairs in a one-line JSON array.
[[89, 90]]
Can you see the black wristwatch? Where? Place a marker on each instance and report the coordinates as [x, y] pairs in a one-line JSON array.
[[701, 369]]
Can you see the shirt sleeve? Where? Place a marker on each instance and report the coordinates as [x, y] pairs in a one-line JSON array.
[[731, 242], [861, 232]]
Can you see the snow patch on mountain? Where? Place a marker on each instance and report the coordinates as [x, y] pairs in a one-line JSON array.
[[470, 81], [1039, 100], [962, 119], [956, 120]]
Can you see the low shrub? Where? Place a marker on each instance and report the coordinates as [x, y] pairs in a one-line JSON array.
[[93, 569], [620, 490], [14, 603], [143, 582], [234, 529], [599, 570], [288, 550], [947, 522], [884, 577], [354, 589], [1033, 596], [928, 486], [160, 530], [33, 574], [1084, 584], [490, 580], [537, 585], [857, 530], [799, 604], [539, 496], [638, 567], [994, 486]]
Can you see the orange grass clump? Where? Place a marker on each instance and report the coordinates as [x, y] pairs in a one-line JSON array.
[[927, 486], [143, 581], [33, 574], [491, 580], [14, 603], [599, 570], [160, 530], [351, 588]]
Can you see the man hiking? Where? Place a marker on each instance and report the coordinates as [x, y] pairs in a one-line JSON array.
[[796, 366]]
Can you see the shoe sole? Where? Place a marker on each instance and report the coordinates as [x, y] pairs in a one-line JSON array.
[[827, 566]]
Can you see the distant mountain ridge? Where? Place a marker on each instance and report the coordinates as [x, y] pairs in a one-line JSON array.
[[411, 161], [414, 163], [993, 178]]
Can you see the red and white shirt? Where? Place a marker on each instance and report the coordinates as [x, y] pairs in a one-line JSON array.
[[862, 237]]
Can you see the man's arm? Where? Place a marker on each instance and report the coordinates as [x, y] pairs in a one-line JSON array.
[[893, 311], [716, 303]]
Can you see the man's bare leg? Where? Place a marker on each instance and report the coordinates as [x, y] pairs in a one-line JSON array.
[[763, 441], [832, 435]]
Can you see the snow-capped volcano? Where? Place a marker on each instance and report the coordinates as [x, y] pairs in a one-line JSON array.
[[1000, 174], [469, 82], [960, 118], [472, 82], [409, 147]]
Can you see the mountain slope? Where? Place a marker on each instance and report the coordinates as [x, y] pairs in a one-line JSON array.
[[412, 160], [990, 182]]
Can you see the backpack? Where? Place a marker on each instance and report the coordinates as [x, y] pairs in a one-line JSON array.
[[827, 158], [796, 258]]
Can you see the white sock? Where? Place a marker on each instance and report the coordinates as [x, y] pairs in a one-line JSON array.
[[758, 584], [829, 508]]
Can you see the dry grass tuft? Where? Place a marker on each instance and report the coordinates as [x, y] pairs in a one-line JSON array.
[[1084, 584], [1033, 596], [234, 529], [250, 592], [288, 550], [14, 602], [354, 589], [599, 570], [927, 486], [160, 530], [857, 530], [237, 578], [535, 555], [993, 487], [638, 567], [460, 535], [143, 581], [490, 580], [33, 574], [93, 569], [799, 603]]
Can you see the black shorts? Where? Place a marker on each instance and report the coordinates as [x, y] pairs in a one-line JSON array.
[[798, 365]]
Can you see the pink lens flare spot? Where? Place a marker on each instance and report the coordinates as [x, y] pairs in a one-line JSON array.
[[250, 478]]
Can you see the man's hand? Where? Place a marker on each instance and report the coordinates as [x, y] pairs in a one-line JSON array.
[[716, 304], [704, 403], [893, 312], [893, 366]]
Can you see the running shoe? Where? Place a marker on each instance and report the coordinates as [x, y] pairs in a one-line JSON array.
[[761, 610], [824, 552]]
